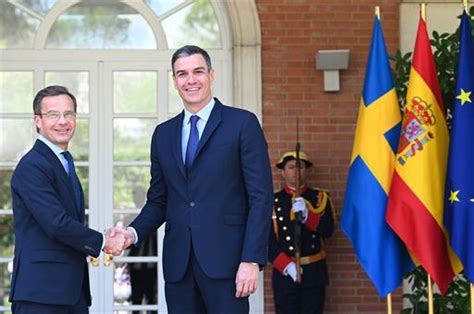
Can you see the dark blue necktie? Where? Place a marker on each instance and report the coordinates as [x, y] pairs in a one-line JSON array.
[[76, 186], [193, 142]]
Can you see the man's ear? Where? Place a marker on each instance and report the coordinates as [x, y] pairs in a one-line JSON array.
[[37, 121]]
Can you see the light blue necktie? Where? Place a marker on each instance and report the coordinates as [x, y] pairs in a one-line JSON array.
[[193, 142], [76, 185]]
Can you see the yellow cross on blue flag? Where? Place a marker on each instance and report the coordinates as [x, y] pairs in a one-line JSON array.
[[459, 203], [380, 251]]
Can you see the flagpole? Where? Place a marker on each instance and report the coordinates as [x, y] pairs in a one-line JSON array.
[[389, 296], [430, 288], [430, 296], [464, 3], [389, 303], [472, 298], [377, 11], [423, 11]]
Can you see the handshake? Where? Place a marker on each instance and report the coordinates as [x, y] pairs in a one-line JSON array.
[[117, 239]]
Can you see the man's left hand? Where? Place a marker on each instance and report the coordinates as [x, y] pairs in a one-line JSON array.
[[246, 281]]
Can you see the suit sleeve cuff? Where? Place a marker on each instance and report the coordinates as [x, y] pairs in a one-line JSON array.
[[134, 233], [103, 242], [281, 262], [312, 221]]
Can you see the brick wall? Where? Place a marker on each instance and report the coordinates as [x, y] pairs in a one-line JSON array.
[[292, 33]]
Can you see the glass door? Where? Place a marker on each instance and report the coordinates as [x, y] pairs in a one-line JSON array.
[[18, 83], [135, 101], [117, 112]]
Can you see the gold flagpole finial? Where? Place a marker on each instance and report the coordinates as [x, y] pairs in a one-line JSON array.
[[464, 3], [423, 11], [377, 11]]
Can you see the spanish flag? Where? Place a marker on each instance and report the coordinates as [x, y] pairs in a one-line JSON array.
[[416, 199]]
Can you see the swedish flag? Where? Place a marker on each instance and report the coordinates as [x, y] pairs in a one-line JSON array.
[[459, 206], [380, 251]]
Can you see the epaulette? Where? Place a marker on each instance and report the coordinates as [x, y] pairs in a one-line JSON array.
[[321, 203]]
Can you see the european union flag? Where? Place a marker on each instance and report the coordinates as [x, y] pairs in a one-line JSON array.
[[381, 253], [459, 209]]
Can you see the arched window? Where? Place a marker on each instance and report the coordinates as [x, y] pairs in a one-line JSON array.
[[109, 24]]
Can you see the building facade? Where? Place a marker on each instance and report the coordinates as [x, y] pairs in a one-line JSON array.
[[114, 55]]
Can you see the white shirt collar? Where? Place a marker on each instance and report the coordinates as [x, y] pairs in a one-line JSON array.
[[56, 149], [203, 114]]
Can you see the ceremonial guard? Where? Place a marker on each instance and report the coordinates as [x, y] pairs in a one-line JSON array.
[[302, 218]]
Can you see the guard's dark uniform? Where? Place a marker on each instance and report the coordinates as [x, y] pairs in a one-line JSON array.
[[307, 296]]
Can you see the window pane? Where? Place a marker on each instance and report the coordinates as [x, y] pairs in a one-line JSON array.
[[162, 6], [175, 104], [5, 194], [135, 92], [132, 139], [193, 25], [76, 82], [135, 283], [5, 275], [83, 174], [79, 144], [17, 28], [6, 236], [101, 26], [40, 6], [123, 220], [13, 147], [16, 92], [130, 186]]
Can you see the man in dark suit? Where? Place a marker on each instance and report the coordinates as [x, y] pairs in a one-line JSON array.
[[211, 183], [50, 272], [317, 212]]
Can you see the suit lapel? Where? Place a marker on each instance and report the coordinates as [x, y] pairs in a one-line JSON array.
[[211, 125], [44, 150], [176, 142]]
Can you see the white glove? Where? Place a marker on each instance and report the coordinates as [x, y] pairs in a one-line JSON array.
[[290, 270], [299, 206]]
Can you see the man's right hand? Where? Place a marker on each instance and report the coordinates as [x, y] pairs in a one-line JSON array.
[[119, 239], [299, 206], [114, 242]]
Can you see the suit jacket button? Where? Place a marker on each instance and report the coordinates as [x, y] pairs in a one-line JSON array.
[[192, 204]]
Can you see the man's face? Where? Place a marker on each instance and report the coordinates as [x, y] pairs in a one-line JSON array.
[[192, 80], [289, 173], [61, 129]]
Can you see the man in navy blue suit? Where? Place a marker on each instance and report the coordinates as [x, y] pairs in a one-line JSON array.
[[50, 272], [211, 183]]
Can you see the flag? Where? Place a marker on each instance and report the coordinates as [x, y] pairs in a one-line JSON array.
[[379, 250], [416, 200], [459, 209]]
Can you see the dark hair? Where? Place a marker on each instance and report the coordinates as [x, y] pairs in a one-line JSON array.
[[190, 50], [53, 90]]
